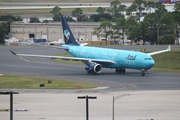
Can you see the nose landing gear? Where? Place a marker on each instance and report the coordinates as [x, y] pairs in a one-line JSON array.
[[142, 72]]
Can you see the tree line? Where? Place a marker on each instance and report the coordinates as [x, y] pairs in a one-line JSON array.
[[157, 26], [146, 21]]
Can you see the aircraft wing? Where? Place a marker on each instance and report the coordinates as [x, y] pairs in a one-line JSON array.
[[50, 46], [68, 58], [161, 51]]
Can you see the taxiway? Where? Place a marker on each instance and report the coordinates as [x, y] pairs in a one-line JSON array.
[[152, 97], [30, 66]]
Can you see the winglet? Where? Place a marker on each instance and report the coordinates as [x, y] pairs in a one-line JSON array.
[[169, 48], [12, 52]]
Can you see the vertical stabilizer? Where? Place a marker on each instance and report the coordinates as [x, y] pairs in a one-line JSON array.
[[68, 36]]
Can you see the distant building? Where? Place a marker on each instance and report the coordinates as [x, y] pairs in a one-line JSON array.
[[52, 31]]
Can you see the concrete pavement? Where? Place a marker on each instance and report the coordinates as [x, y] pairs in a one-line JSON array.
[[64, 105]]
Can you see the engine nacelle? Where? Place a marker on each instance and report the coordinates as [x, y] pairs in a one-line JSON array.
[[93, 68]]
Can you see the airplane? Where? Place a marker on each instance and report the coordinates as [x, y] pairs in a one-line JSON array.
[[95, 58]]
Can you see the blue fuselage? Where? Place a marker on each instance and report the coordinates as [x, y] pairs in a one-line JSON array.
[[123, 58]]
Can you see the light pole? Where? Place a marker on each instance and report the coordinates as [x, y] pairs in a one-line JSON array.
[[115, 98], [87, 104], [11, 101]]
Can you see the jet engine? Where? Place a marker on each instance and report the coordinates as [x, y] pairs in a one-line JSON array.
[[93, 68]]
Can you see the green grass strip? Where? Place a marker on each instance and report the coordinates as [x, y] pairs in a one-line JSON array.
[[67, 61], [25, 82], [169, 61]]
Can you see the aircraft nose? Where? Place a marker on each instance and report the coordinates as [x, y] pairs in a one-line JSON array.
[[151, 63]]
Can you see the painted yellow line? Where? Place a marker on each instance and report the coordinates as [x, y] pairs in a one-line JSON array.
[[4, 109], [24, 59], [133, 85]]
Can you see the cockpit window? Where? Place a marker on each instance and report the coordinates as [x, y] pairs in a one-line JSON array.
[[147, 58]]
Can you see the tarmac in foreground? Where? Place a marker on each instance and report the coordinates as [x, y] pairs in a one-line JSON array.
[[59, 105]]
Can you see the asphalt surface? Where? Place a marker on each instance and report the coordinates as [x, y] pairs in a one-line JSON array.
[[152, 97], [30, 66]]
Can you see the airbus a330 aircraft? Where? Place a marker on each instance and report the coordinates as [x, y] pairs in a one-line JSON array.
[[96, 58]]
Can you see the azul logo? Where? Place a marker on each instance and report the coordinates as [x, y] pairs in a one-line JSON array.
[[130, 57], [66, 34]]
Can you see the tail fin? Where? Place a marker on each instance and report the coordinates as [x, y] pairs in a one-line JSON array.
[[68, 36]]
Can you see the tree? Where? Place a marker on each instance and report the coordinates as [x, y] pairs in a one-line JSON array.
[[82, 18], [177, 7], [45, 21], [140, 31], [100, 17], [153, 27], [9, 24], [166, 24], [69, 19], [10, 17], [104, 30], [77, 12], [138, 7], [3, 32], [101, 11], [119, 29], [132, 29], [144, 31], [56, 13], [176, 19], [34, 20], [159, 9], [150, 5], [166, 39], [117, 10]]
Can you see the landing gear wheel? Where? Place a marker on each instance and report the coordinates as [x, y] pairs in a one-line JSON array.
[[123, 70], [142, 72], [117, 70], [91, 73], [88, 72], [120, 70]]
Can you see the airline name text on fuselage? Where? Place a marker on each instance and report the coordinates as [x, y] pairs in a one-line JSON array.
[[131, 57]]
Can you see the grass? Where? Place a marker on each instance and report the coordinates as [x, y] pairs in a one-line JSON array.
[[47, 11], [169, 61], [25, 82], [65, 61], [41, 11]]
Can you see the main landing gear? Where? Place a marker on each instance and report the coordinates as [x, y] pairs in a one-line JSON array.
[[123, 70], [120, 70], [91, 72]]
